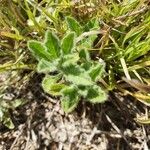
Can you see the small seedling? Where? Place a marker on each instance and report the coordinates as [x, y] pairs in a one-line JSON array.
[[70, 74]]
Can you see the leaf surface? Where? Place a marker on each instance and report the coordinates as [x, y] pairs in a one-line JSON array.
[[38, 50], [68, 43], [70, 99], [53, 44], [74, 25]]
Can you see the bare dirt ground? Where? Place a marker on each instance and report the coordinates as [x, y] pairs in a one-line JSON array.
[[41, 124]]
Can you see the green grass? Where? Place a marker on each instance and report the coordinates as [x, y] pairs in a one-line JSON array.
[[116, 32]]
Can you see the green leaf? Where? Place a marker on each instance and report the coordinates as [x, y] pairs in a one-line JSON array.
[[88, 41], [72, 69], [56, 88], [82, 90], [68, 43], [38, 50], [91, 25], [84, 54], [82, 79], [7, 121], [86, 65], [96, 71], [5, 117], [53, 44], [46, 67], [96, 95], [51, 86], [70, 99], [74, 25], [69, 59], [77, 75], [5, 106]]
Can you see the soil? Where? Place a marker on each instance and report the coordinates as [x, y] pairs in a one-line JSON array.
[[41, 124]]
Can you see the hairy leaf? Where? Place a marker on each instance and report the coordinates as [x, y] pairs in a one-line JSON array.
[[96, 95], [68, 43], [74, 25], [53, 44], [46, 66], [84, 54], [82, 79], [51, 86], [92, 24], [38, 50], [70, 99], [72, 69], [69, 59], [96, 71], [76, 75]]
